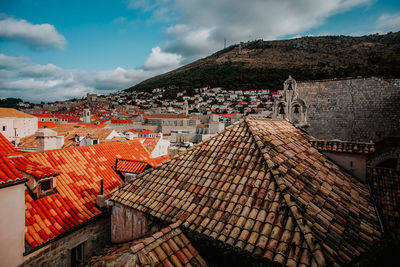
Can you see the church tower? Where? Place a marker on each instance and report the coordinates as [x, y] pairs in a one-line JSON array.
[[86, 115]]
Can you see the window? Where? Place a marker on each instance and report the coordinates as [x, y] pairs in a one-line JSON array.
[[77, 255], [95, 141], [351, 164], [45, 185], [4, 128]]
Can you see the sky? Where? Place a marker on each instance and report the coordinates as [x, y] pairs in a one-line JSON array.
[[56, 50]]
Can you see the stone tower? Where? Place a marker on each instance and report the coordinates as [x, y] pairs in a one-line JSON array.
[[290, 106], [186, 108], [86, 115]]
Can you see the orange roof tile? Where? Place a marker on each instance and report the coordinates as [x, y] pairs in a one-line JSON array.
[[33, 168], [140, 131], [10, 112], [5, 146], [167, 116], [78, 183], [121, 121], [151, 143], [130, 166], [8, 172], [46, 124], [169, 247], [261, 187]]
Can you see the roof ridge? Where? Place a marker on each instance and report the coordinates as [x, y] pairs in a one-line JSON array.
[[306, 231]]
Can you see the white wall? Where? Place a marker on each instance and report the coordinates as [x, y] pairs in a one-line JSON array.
[[24, 127], [161, 148], [12, 225]]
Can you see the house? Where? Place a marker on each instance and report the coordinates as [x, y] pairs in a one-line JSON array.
[[66, 219], [15, 124], [72, 136], [258, 192], [12, 210]]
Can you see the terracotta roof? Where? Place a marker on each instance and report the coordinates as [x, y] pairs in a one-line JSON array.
[[121, 121], [260, 186], [167, 116], [33, 168], [13, 113], [140, 131], [8, 172], [344, 146], [46, 124], [151, 143], [69, 135], [5, 146], [78, 184], [385, 185], [42, 115], [130, 166], [169, 247]]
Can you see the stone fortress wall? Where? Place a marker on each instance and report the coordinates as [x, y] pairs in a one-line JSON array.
[[357, 109]]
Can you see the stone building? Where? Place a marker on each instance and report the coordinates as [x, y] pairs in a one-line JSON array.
[[290, 106], [66, 219], [256, 193], [352, 109], [15, 124]]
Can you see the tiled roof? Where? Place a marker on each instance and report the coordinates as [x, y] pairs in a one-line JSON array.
[[140, 131], [167, 116], [5, 146], [42, 115], [130, 166], [46, 124], [121, 121], [151, 143], [385, 185], [344, 146], [260, 186], [13, 113], [69, 135], [33, 168], [78, 184], [8, 172], [169, 247]]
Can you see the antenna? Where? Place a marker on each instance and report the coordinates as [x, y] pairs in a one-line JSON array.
[[224, 43]]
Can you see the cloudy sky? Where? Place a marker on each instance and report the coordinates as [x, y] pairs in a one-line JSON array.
[[55, 50]]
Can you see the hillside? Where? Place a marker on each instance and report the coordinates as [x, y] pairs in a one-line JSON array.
[[266, 64]]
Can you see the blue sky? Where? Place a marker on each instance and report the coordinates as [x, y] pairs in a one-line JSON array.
[[54, 50]]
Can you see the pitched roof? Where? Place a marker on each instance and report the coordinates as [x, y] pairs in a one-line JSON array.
[[33, 168], [78, 184], [130, 166], [151, 143], [69, 135], [5, 146], [260, 186], [8, 172], [385, 184], [169, 247], [167, 116], [344, 146], [13, 113]]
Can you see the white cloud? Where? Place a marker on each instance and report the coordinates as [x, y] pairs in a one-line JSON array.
[[388, 22], [37, 36], [162, 60], [203, 25], [19, 77]]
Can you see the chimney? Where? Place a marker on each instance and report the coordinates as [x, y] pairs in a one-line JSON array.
[[101, 198], [46, 139]]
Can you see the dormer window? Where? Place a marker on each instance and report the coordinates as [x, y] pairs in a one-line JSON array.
[[45, 186]]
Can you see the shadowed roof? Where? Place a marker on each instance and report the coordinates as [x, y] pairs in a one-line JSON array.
[[260, 186], [169, 247]]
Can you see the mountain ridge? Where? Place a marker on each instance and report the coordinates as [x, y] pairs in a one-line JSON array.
[[265, 64]]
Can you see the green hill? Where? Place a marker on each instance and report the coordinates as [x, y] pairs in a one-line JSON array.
[[266, 64]]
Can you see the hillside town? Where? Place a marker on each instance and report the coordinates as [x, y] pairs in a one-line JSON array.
[[206, 177]]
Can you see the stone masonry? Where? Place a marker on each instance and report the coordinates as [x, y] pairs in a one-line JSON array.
[[360, 109], [95, 235]]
